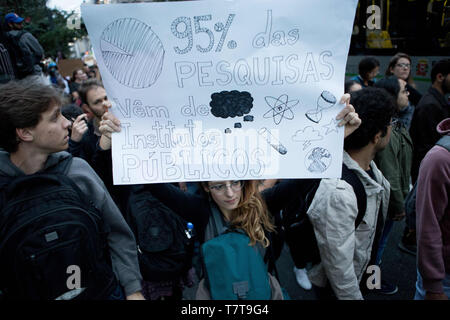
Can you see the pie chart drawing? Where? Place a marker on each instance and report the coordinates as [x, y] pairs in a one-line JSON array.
[[132, 52]]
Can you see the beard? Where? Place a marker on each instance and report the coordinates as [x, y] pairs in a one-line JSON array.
[[446, 85]]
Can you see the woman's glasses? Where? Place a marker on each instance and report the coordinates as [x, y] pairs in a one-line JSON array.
[[403, 65], [221, 188]]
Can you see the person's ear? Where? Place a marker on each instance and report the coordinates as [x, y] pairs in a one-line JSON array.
[[24, 134], [440, 78], [376, 139]]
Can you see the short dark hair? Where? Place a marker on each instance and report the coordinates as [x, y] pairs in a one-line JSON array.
[[86, 86], [22, 103], [375, 107], [442, 66], [366, 65], [390, 84]]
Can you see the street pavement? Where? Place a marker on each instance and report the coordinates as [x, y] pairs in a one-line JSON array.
[[396, 267]]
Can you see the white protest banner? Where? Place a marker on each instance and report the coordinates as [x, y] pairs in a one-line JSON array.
[[219, 90]]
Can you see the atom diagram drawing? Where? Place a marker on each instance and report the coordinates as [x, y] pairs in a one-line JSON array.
[[280, 108]]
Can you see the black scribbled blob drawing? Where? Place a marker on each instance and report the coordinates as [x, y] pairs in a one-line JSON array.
[[132, 52], [232, 104]]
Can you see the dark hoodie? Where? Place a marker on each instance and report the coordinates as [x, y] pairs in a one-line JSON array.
[[433, 215], [121, 240]]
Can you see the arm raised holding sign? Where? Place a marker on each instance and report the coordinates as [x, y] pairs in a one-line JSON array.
[[108, 125]]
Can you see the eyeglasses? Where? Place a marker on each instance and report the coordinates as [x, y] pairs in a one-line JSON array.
[[221, 188], [403, 65]]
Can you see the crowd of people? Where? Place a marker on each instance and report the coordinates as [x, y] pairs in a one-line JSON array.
[[56, 135]]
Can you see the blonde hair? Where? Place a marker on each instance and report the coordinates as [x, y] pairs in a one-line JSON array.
[[252, 215]]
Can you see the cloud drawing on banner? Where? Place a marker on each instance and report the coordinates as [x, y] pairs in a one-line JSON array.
[[307, 135]]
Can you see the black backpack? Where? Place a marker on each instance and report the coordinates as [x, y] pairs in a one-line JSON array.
[[52, 241], [165, 249], [410, 200], [299, 231], [21, 65]]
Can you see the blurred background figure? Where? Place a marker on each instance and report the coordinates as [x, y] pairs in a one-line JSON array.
[[352, 86], [368, 69], [56, 79], [400, 66], [78, 77]]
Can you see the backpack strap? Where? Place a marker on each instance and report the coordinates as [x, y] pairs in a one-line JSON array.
[[351, 178], [216, 220], [269, 257], [444, 142], [4, 182]]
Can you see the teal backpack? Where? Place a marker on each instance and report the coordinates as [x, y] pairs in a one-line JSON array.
[[234, 270]]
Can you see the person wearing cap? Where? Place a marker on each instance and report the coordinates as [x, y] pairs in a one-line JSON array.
[[56, 79], [27, 51]]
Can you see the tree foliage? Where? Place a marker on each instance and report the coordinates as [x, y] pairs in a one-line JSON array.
[[49, 26]]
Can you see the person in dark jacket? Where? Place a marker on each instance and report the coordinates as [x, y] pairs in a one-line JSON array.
[[432, 109], [28, 51], [8, 69], [85, 138], [33, 137], [395, 163], [85, 134]]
